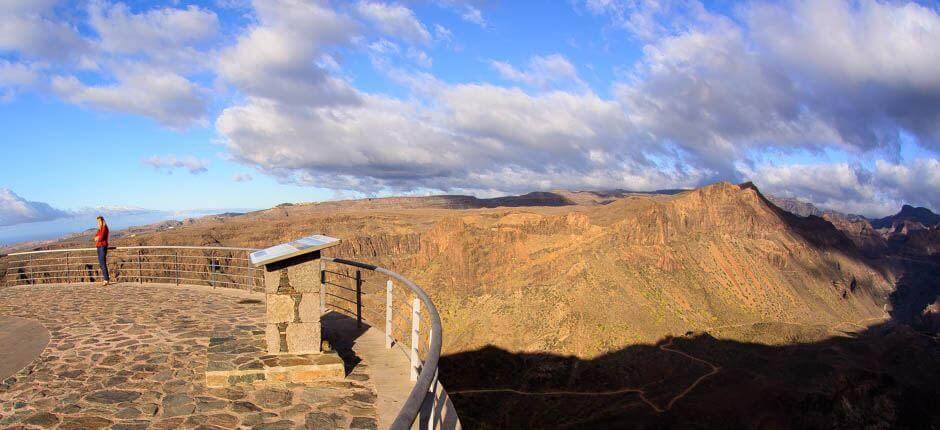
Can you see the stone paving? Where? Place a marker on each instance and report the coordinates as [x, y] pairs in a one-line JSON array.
[[134, 357]]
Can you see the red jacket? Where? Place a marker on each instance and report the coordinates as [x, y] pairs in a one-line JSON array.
[[101, 238]]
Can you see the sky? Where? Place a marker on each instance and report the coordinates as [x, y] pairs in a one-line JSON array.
[[186, 105]]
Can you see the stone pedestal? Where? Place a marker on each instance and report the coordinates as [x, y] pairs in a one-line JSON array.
[[292, 293], [288, 350]]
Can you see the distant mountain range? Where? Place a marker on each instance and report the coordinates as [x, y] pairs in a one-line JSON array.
[[908, 215]]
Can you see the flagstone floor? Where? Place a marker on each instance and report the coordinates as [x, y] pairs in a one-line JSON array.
[[133, 356]]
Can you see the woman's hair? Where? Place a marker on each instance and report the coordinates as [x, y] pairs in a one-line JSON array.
[[100, 218]]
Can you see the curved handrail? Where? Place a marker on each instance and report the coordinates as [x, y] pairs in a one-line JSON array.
[[412, 407]]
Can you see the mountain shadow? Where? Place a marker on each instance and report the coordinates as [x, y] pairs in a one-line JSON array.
[[886, 376]]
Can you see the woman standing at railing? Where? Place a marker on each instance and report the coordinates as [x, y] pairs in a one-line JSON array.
[[101, 242]]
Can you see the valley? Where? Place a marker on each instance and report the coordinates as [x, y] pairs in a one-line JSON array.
[[676, 309]]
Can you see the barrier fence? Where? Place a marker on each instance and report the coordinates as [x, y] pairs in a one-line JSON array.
[[373, 295], [190, 265]]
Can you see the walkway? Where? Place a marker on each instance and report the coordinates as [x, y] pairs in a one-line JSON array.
[[133, 356]]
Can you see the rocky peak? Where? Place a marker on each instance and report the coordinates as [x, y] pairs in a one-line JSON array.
[[908, 215]]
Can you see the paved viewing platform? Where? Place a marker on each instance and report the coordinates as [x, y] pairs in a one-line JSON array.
[[129, 356]]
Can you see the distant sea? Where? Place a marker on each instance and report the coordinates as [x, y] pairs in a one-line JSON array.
[[54, 229]]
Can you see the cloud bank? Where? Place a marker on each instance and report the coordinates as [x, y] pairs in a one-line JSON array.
[[713, 95]]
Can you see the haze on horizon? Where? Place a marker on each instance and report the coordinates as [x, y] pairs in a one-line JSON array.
[[225, 104]]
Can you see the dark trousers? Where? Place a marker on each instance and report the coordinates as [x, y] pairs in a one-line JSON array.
[[103, 262]]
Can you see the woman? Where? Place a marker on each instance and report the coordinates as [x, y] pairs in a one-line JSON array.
[[101, 242]]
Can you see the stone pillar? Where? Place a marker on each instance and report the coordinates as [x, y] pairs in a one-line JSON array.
[[292, 293]]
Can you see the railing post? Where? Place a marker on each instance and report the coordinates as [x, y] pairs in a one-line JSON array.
[[388, 314], [176, 257], [29, 270], [432, 391], [322, 287], [415, 334], [140, 272], [358, 299], [68, 272]]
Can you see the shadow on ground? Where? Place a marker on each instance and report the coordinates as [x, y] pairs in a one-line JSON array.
[[887, 376], [342, 331]]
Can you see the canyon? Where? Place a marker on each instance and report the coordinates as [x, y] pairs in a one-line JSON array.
[[604, 309]]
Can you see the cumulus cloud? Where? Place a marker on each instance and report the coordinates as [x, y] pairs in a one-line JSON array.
[[242, 177], [710, 96], [275, 59], [169, 163], [873, 191], [915, 183], [706, 95], [139, 62], [394, 20], [32, 30], [167, 36], [16, 210], [165, 96]]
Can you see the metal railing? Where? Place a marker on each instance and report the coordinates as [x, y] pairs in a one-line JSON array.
[[343, 288], [365, 299], [191, 265]]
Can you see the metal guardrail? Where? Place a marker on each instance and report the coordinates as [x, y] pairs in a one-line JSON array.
[[424, 372], [230, 268], [194, 265]]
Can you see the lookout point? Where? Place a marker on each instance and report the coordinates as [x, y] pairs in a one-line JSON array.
[[217, 337]]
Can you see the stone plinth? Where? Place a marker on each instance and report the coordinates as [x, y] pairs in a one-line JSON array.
[[292, 292], [240, 359], [291, 347]]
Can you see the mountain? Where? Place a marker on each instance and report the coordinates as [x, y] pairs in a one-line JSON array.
[[909, 216], [660, 264], [795, 206]]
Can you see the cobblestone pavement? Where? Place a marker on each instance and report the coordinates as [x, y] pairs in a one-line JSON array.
[[134, 357]]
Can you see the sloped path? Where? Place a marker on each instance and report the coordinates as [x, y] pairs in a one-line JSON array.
[[21, 341]]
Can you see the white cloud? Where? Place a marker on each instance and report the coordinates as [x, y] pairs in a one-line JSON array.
[[168, 163], [420, 57], [473, 15], [915, 183], [168, 36], [869, 68], [275, 59], [242, 177], [394, 20], [873, 192], [15, 209], [443, 34], [542, 71], [169, 98], [14, 77], [32, 31]]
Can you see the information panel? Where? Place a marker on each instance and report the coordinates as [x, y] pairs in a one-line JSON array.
[[292, 249]]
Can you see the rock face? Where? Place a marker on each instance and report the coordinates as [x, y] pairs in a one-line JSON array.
[[796, 206]]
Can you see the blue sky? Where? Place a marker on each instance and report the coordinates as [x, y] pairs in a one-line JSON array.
[[246, 104]]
